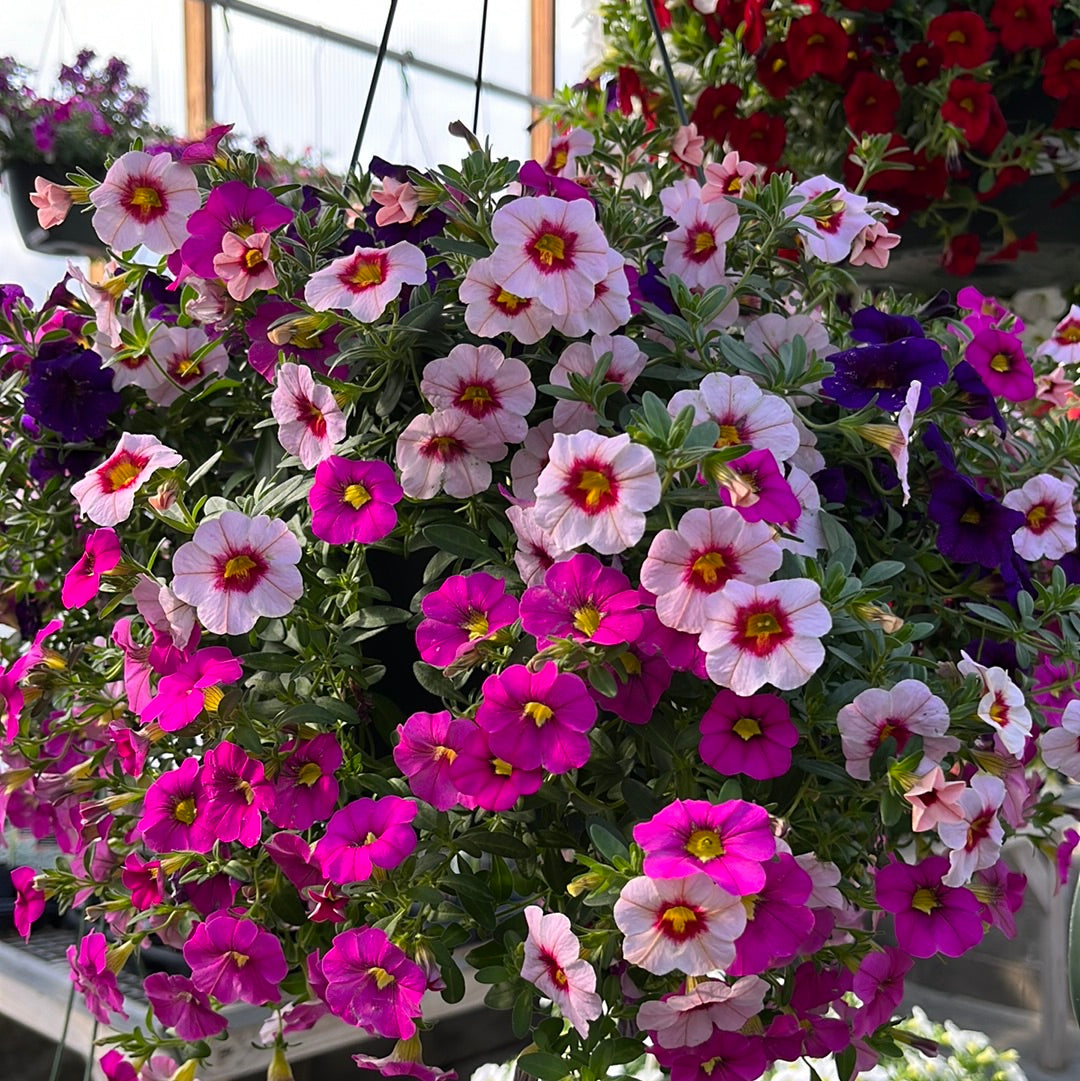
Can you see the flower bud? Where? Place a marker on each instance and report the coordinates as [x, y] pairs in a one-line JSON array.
[[164, 497], [279, 1069]]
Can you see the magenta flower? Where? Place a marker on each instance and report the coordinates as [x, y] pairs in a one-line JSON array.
[[929, 916], [174, 812], [180, 1005], [305, 789], [537, 719], [583, 600], [446, 450], [404, 1061], [748, 735], [1000, 893], [29, 900], [11, 696], [879, 983], [999, 359], [353, 501], [728, 841], [463, 610], [757, 489], [427, 745], [724, 1056], [144, 880], [106, 494], [303, 338], [194, 686], [553, 964], [92, 977], [292, 854], [365, 281], [778, 920], [235, 960], [310, 422], [372, 984], [244, 265], [364, 835], [492, 782], [237, 794], [642, 674], [100, 555]]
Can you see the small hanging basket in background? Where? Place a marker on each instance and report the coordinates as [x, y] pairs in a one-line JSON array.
[[75, 236]]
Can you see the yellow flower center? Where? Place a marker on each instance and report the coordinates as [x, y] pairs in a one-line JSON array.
[[630, 664], [476, 625], [122, 475], [441, 752], [707, 565], [729, 436], [925, 900], [971, 516], [382, 978], [239, 959], [502, 769], [187, 367], [239, 567], [587, 619], [309, 773], [509, 301], [749, 904], [550, 248], [1000, 362], [558, 160], [538, 712], [762, 625], [476, 394], [356, 495], [1036, 516], [146, 198], [184, 811], [367, 274], [253, 258], [746, 728], [680, 917], [705, 845], [1070, 335], [246, 791], [595, 485], [704, 242], [212, 697]]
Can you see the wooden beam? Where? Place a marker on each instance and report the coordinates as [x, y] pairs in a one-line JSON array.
[[198, 66], [542, 71]]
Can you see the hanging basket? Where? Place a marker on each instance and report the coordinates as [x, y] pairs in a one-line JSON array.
[[75, 236]]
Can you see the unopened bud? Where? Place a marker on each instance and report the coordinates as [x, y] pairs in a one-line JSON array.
[[117, 956], [186, 1071], [585, 883], [888, 621], [164, 497], [279, 1069]]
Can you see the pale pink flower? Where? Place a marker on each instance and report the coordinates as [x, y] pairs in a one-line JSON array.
[[695, 250], [553, 964], [581, 358], [727, 177], [1063, 346], [106, 494], [535, 549], [398, 202], [164, 612], [934, 801], [688, 1020], [679, 924], [872, 245], [1002, 704], [491, 310], [1054, 388], [829, 237], [181, 354], [366, 280], [550, 250], [767, 333], [769, 633], [610, 307], [236, 569], [52, 201], [596, 491], [682, 192], [310, 422], [807, 458], [133, 371], [687, 565], [145, 199], [485, 385], [905, 421], [1049, 529], [104, 304], [244, 264], [566, 149], [975, 841], [807, 535], [688, 147], [1060, 746], [825, 876], [528, 463], [447, 450]]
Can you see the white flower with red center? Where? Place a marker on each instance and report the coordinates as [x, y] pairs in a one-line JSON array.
[[566, 149], [610, 307], [186, 357], [1060, 746], [528, 463], [744, 413], [553, 964], [765, 335], [1049, 529], [680, 193], [1002, 705], [132, 371], [535, 550], [1063, 346], [447, 450], [727, 177], [596, 491], [310, 422], [901, 451], [687, 565], [366, 280], [485, 385], [829, 235], [549, 250], [103, 302], [806, 534], [679, 924], [490, 309], [236, 569], [581, 358], [696, 250], [145, 199], [688, 1020], [106, 494], [975, 841], [770, 633], [244, 264]]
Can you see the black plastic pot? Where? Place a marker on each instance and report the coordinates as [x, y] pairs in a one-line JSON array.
[[75, 236]]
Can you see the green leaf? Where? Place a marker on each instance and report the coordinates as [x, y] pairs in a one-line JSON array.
[[607, 841], [205, 467], [882, 572], [521, 1018], [272, 662], [994, 615], [306, 713], [500, 880], [454, 980], [460, 541], [544, 1066], [477, 842]]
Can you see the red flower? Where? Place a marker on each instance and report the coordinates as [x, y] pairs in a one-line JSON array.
[[630, 86], [963, 38], [754, 22], [774, 71], [921, 64], [663, 15], [817, 45], [1024, 24], [871, 103], [996, 130], [715, 111], [962, 254], [1061, 70], [1027, 242], [1008, 177], [1067, 117], [967, 107], [759, 138]]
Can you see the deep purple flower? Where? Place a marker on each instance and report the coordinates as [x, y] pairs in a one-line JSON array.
[[978, 402], [870, 325], [70, 392], [972, 527], [180, 1005], [235, 960], [885, 371]]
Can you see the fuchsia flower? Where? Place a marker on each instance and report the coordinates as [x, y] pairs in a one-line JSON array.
[[688, 1020], [1000, 893], [448, 450], [11, 696], [305, 789], [492, 782], [404, 1061], [752, 735], [778, 919], [236, 569], [553, 964], [998, 357], [427, 745], [366, 835], [237, 794], [367, 280], [491, 310], [729, 842], [879, 983], [1049, 529], [724, 1056], [235, 960], [143, 878], [754, 485], [463, 610], [353, 501], [244, 264], [174, 812], [180, 1005], [92, 977], [100, 555], [29, 900], [310, 422], [537, 719], [194, 686], [106, 494]]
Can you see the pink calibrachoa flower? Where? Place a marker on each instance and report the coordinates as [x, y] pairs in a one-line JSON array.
[[12, 699], [755, 487], [180, 1005], [93, 978], [610, 306], [566, 149], [52, 202], [537, 719], [491, 310], [175, 350], [778, 919], [482, 383], [1060, 746], [29, 900], [427, 745], [405, 1060], [709, 548], [1000, 893], [237, 794], [554, 966], [235, 960], [144, 880], [678, 924], [696, 251], [726, 177], [174, 812], [398, 202], [689, 1019], [929, 916], [1049, 529], [596, 491], [367, 280], [236, 569], [100, 555], [491, 782], [366, 836], [372, 984], [447, 450], [1002, 705], [549, 250], [934, 801], [753, 736], [581, 358], [871, 247], [829, 237], [729, 842], [305, 789], [999, 359], [145, 199], [974, 843], [244, 264], [688, 148], [724, 1056], [529, 461], [466, 608], [353, 502], [310, 422], [535, 551], [194, 686], [106, 494], [874, 715], [1063, 346], [770, 633]]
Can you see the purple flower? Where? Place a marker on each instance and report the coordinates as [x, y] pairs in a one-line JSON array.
[[180, 1005], [978, 402], [237, 794], [778, 919], [235, 960], [972, 527], [70, 392], [885, 371], [753, 736], [365, 835], [873, 326]]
